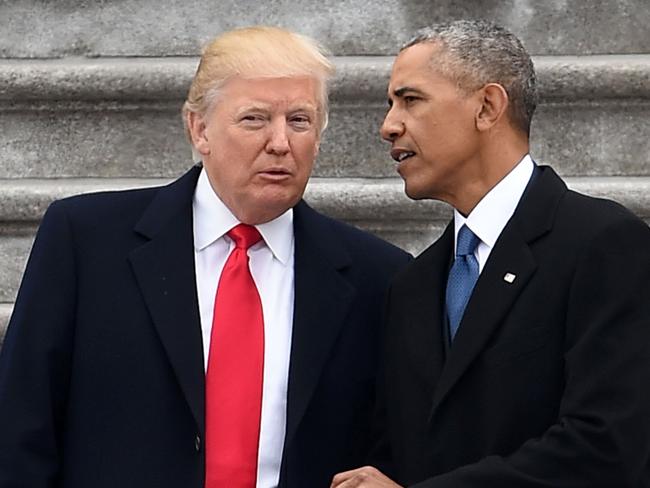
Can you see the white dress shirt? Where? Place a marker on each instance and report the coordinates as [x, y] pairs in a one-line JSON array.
[[271, 265], [493, 212]]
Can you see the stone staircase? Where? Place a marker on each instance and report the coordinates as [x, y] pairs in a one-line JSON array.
[[90, 97]]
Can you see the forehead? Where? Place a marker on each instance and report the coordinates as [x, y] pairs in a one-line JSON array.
[[414, 66], [294, 90]]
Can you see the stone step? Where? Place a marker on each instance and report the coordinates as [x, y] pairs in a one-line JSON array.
[[5, 313], [120, 117], [38, 29], [377, 205], [25, 200]]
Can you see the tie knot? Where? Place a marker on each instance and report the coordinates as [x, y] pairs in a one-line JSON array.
[[467, 241], [244, 236]]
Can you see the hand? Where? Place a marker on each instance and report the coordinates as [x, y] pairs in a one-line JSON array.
[[366, 477]]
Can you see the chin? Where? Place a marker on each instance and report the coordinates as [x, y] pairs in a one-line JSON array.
[[269, 209], [413, 192], [422, 189]]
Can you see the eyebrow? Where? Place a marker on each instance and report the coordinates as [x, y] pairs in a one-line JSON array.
[[265, 107], [400, 92], [307, 107], [254, 106]]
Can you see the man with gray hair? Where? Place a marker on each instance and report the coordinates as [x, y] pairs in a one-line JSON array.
[[216, 332], [517, 346]]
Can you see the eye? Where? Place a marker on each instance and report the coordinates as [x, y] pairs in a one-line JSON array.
[[251, 117], [410, 99], [252, 120], [300, 121]]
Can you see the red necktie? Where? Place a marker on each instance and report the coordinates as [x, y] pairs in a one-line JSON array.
[[235, 372]]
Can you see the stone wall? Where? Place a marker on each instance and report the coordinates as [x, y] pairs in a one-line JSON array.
[[90, 95]]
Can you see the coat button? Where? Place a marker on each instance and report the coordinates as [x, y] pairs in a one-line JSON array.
[[197, 443]]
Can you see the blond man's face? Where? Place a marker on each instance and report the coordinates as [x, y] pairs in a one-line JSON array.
[[258, 144]]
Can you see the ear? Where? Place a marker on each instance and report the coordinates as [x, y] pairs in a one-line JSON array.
[[493, 104], [197, 129]]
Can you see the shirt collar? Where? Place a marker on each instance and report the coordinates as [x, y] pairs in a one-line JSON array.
[[492, 213], [213, 219]]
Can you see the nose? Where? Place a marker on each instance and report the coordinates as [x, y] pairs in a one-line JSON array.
[[392, 127], [278, 141]]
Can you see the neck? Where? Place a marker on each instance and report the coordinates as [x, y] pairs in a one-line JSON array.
[[494, 162]]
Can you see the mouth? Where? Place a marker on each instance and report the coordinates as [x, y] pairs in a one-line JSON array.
[[400, 155], [275, 174]]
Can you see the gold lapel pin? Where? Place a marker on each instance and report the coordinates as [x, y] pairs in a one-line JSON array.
[[509, 277]]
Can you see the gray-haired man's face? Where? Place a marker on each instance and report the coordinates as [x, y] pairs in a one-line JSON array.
[[431, 126]]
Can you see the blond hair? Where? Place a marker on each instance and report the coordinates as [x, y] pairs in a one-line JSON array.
[[257, 52]]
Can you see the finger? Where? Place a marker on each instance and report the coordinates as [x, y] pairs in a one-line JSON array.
[[357, 481], [354, 477], [343, 477]]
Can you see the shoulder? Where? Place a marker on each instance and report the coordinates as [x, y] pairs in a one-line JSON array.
[[362, 242], [362, 247], [549, 203], [589, 218], [127, 206], [581, 205], [123, 207]]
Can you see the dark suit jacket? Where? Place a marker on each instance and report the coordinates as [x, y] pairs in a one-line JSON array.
[[101, 373], [547, 383]]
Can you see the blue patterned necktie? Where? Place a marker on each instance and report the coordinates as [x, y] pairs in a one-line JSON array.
[[462, 278]]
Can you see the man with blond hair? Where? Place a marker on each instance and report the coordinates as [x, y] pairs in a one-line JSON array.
[[215, 332]]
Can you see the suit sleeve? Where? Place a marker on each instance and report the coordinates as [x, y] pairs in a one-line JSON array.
[[35, 360], [601, 438]]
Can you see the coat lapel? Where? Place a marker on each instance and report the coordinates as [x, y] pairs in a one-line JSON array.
[[164, 269], [493, 295], [423, 326], [322, 299], [490, 301]]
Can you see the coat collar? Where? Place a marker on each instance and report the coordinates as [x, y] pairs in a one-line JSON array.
[[322, 299], [422, 293], [164, 270]]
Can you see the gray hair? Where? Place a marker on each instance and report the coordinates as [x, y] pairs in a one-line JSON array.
[[475, 53]]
